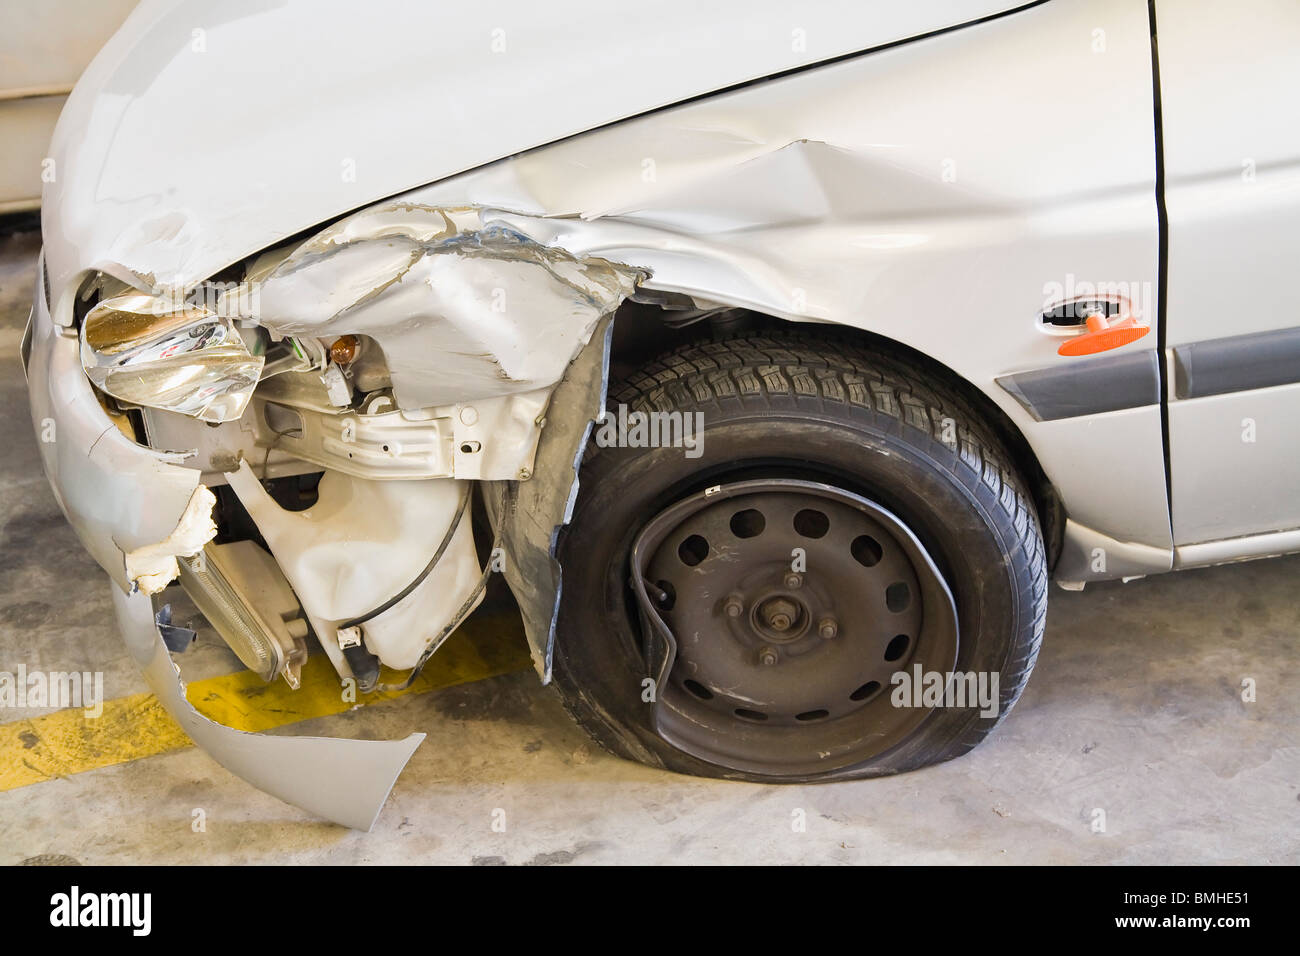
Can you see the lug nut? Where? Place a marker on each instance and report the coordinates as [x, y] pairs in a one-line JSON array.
[[779, 613], [734, 606], [827, 628], [767, 656], [793, 580]]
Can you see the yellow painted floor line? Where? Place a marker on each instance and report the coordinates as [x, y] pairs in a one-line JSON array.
[[66, 742]]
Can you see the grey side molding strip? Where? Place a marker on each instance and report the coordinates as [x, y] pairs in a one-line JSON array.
[[1088, 387], [1236, 364]]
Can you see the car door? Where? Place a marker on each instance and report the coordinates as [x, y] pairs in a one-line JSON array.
[[1230, 116]]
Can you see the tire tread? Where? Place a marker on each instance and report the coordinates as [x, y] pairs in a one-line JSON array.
[[776, 368]]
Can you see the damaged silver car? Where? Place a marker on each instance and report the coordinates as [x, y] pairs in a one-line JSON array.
[[787, 352]]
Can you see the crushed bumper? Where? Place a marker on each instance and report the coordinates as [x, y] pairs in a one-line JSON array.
[[117, 495], [346, 781], [120, 496]]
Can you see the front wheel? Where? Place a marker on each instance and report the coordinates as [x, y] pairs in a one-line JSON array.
[[840, 575]]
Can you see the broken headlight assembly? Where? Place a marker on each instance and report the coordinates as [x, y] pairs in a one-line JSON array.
[[173, 355]]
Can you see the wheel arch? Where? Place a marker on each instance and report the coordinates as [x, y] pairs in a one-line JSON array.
[[643, 330]]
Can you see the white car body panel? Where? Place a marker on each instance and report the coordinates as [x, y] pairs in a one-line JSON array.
[[822, 197], [204, 132], [1229, 74]]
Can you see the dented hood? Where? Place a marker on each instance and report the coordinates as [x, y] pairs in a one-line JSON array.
[[206, 131]]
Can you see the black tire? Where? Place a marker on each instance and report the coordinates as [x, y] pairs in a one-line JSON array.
[[798, 405]]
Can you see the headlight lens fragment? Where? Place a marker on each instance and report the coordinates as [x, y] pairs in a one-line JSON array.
[[162, 353]]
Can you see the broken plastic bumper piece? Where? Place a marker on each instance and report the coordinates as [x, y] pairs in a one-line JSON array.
[[122, 498]]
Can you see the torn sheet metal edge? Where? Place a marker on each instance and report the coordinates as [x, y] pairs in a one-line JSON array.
[[345, 781], [536, 510], [431, 285]]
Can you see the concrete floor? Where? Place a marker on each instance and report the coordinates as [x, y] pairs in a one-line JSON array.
[[1134, 708]]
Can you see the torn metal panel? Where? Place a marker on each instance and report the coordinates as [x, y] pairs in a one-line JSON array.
[[346, 781], [536, 510], [462, 311]]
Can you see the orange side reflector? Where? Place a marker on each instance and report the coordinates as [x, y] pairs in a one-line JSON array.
[[1102, 336]]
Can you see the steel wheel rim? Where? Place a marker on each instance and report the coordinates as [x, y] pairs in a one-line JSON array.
[[780, 661]]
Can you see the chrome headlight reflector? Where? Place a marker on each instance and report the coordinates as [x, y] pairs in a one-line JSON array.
[[163, 353]]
